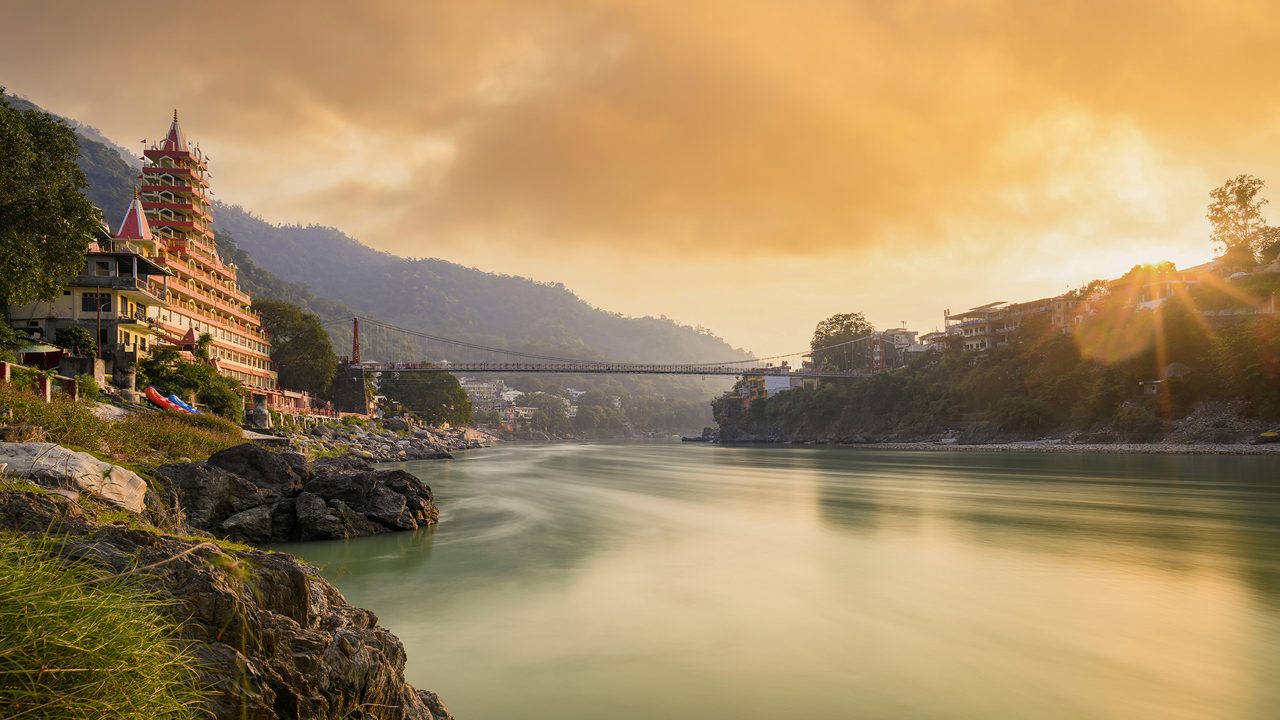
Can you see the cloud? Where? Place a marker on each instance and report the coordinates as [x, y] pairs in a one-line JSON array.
[[998, 134]]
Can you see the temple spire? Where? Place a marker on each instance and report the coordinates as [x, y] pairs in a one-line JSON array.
[[175, 140], [135, 225]]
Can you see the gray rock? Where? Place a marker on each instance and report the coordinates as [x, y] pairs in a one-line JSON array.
[[396, 424], [285, 471], [208, 495], [252, 525], [54, 466], [316, 520], [389, 508]]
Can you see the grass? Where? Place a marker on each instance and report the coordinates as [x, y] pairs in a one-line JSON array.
[[78, 643], [142, 437]]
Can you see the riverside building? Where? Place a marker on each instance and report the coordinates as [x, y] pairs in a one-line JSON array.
[[203, 293]]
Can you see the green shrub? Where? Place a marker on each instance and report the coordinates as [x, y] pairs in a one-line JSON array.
[[89, 389], [76, 340], [75, 643]]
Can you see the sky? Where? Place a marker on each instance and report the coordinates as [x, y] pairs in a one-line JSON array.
[[752, 166]]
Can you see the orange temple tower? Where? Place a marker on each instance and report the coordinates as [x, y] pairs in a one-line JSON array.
[[204, 296]]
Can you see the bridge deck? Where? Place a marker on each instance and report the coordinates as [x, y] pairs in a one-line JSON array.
[[602, 368]]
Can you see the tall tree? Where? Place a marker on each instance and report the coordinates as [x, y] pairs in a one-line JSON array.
[[436, 397], [1235, 212], [832, 345], [300, 348], [46, 222]]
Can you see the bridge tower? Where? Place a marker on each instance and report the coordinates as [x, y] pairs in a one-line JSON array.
[[355, 340]]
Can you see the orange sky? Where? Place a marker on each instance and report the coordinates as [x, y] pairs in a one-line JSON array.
[[750, 166]]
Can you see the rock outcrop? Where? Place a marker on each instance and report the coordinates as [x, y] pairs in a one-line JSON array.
[[257, 496], [396, 439], [56, 467], [274, 638]]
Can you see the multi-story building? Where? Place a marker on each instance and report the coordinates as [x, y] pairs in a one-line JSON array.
[[204, 296], [115, 296], [483, 394], [987, 326]]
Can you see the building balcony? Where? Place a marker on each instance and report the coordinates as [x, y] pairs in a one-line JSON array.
[[181, 207], [138, 319], [201, 299], [121, 283], [155, 154], [153, 186], [162, 222]]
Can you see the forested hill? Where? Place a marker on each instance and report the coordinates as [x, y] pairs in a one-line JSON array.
[[332, 274], [460, 302]]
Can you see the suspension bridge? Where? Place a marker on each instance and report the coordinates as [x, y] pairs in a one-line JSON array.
[[504, 360]]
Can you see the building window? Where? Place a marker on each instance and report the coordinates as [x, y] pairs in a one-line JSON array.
[[101, 268], [93, 302]]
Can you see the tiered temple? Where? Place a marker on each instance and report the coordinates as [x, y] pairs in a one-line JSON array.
[[204, 296]]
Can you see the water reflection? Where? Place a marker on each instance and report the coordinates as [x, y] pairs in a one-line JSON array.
[[704, 582]]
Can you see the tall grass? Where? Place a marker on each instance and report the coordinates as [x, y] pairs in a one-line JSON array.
[[76, 643], [142, 437]]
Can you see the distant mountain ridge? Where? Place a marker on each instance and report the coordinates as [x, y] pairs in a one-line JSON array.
[[295, 263], [464, 303]]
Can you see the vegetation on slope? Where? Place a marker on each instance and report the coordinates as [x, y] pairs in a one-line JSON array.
[[76, 642], [1046, 382], [142, 437]]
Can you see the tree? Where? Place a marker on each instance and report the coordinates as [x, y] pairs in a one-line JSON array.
[[300, 347], [202, 347], [832, 347], [552, 412], [77, 340], [165, 369], [1236, 214], [46, 222], [436, 397]]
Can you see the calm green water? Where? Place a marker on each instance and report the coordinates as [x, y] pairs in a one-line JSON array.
[[692, 581]]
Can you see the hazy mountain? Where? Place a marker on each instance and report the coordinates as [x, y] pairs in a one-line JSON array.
[[460, 302], [333, 275]]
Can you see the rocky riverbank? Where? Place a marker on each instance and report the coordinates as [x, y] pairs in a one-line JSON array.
[[1210, 428], [273, 638], [1054, 446], [390, 440], [253, 495]]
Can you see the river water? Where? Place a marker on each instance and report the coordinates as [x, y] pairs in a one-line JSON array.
[[695, 581]]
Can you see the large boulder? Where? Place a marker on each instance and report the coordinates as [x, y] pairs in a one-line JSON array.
[[316, 520], [54, 466], [284, 471], [208, 494], [254, 495], [393, 498], [252, 525]]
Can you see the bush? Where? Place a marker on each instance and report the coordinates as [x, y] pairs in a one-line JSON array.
[[76, 644], [88, 388], [76, 340]]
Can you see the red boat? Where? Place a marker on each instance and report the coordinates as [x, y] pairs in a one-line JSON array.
[[159, 400]]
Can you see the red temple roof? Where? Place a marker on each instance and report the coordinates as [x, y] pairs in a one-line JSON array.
[[135, 225], [175, 140]]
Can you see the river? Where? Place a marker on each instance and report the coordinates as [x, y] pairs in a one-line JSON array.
[[697, 581]]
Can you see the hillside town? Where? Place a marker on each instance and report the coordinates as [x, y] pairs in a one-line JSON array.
[[990, 326]]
